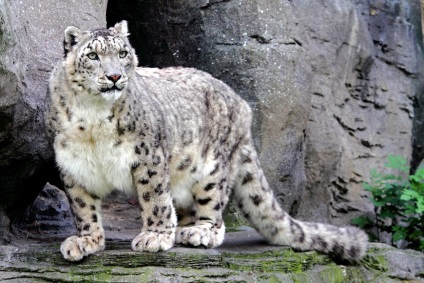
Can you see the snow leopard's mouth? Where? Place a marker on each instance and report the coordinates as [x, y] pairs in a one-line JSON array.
[[108, 89]]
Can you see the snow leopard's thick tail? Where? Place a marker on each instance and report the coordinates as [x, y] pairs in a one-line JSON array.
[[258, 204]]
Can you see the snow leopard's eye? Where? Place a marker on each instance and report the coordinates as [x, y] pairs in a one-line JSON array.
[[93, 56], [123, 54]]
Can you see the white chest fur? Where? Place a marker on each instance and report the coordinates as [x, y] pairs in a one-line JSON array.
[[93, 154]]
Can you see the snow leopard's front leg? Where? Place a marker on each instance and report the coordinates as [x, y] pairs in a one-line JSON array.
[[158, 215], [87, 216], [210, 198]]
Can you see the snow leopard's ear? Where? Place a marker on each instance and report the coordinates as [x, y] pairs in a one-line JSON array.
[[72, 37], [121, 28]]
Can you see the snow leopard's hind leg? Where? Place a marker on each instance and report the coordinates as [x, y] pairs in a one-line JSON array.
[[258, 204]]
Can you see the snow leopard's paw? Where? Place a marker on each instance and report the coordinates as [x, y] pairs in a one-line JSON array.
[[153, 241], [201, 234], [75, 248]]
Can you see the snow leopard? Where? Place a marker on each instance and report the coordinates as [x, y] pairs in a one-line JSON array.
[[177, 137]]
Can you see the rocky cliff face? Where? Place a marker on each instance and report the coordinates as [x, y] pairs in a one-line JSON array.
[[30, 44], [366, 66], [332, 85]]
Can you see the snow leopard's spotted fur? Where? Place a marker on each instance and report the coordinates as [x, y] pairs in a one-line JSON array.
[[178, 137]]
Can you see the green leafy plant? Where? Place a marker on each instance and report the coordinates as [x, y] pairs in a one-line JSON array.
[[398, 202]]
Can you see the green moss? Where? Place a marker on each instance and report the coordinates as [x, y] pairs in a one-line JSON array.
[[301, 278], [270, 278], [285, 261], [120, 264], [333, 274], [108, 274], [375, 261], [357, 275]]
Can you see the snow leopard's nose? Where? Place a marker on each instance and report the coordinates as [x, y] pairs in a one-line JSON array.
[[114, 78]]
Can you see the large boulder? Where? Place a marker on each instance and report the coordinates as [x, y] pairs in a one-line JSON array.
[[30, 45]]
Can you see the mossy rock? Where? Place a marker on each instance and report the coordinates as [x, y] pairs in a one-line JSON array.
[[245, 257]]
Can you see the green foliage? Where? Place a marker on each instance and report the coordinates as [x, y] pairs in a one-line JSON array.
[[399, 204]]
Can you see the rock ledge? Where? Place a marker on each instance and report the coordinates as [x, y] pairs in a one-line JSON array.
[[245, 257]]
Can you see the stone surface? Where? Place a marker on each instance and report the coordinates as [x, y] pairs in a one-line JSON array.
[[5, 234], [333, 94], [417, 17], [366, 63], [121, 213], [30, 44], [50, 216], [50, 213], [244, 257]]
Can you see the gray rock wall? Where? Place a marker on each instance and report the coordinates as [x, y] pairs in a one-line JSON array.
[[30, 44], [367, 65], [331, 83], [417, 18]]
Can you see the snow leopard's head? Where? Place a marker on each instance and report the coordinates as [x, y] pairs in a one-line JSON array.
[[99, 62]]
